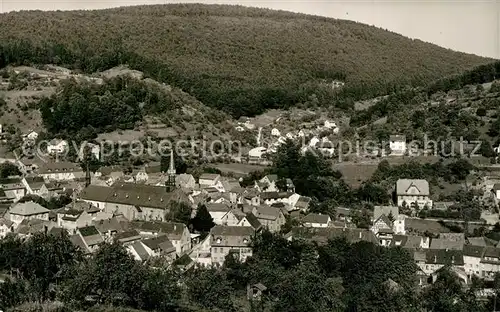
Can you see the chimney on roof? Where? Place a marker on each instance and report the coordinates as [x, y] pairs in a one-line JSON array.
[[126, 196]]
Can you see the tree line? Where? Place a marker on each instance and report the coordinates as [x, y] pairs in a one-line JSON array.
[[299, 276]]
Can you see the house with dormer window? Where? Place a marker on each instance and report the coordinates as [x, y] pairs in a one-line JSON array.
[[61, 171], [235, 240], [413, 191], [267, 183]]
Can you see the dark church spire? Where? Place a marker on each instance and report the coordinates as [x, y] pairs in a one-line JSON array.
[[170, 184]]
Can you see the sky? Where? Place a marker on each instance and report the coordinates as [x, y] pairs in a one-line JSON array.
[[471, 26]]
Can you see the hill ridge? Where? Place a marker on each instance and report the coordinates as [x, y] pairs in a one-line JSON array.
[[239, 59]]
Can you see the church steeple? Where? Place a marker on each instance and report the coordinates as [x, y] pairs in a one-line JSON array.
[[170, 184]]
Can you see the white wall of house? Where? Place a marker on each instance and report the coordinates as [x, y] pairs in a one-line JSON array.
[[316, 225], [218, 216], [219, 253], [20, 218], [489, 269], [15, 194], [230, 219], [398, 226], [421, 200], [379, 225], [59, 176], [497, 194], [98, 204], [472, 265], [397, 147], [208, 182]]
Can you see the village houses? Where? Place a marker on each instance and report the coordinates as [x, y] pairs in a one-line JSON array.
[[57, 147], [27, 211], [133, 201], [234, 240], [413, 191], [61, 171], [271, 218], [317, 220], [397, 145], [13, 188]]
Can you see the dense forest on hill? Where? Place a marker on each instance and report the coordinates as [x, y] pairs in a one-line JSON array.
[[414, 97], [242, 60]]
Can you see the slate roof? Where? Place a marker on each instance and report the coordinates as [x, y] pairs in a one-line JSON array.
[[35, 183], [229, 184], [442, 256], [385, 210], [480, 241], [11, 183], [28, 209], [173, 230], [81, 205], [272, 177], [127, 236], [113, 225], [322, 235], [56, 231], [209, 176], [316, 218], [402, 186], [182, 179], [6, 222], [254, 222], [275, 195], [221, 230], [474, 251], [132, 194], [140, 250], [95, 193], [78, 242], [160, 242], [91, 235], [214, 207], [57, 167], [442, 243], [267, 213], [492, 252], [303, 202], [385, 219], [341, 211]]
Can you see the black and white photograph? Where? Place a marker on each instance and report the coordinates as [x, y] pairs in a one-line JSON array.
[[250, 156]]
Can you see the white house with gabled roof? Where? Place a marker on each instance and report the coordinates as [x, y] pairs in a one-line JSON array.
[[27, 211], [413, 191]]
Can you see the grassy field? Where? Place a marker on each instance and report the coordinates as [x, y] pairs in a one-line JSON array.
[[240, 169]]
